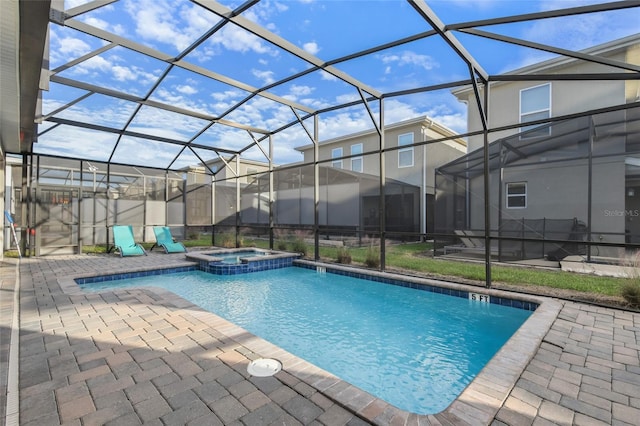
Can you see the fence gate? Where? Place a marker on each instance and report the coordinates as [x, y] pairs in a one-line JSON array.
[[56, 221]]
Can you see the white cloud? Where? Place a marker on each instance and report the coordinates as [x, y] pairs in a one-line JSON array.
[[226, 95], [348, 97], [311, 47], [187, 89], [449, 113], [298, 90], [98, 23], [572, 32], [265, 76], [180, 101], [145, 152], [157, 21], [328, 76], [114, 114], [121, 73], [73, 46], [408, 57], [120, 30], [236, 39], [63, 140], [70, 4], [166, 124], [95, 63]]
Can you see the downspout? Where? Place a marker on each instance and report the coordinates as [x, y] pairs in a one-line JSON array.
[[23, 203], [423, 200], [383, 183], [237, 200], [316, 190], [271, 193]]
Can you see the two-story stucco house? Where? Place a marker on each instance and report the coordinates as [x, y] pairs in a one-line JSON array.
[[583, 164], [409, 156]]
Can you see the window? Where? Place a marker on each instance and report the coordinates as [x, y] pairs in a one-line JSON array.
[[517, 195], [356, 162], [405, 155], [535, 104], [336, 153]]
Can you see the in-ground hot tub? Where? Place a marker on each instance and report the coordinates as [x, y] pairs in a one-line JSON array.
[[241, 260]]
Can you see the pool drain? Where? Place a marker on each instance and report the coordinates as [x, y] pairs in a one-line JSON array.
[[264, 367]]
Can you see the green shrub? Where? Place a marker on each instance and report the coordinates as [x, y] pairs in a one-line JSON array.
[[226, 240], [630, 291], [282, 245], [343, 255], [298, 246], [372, 259]]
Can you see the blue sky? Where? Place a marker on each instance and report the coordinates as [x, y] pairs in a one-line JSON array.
[[326, 29]]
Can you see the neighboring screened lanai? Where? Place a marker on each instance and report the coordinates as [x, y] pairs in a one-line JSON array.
[[574, 182], [188, 113]]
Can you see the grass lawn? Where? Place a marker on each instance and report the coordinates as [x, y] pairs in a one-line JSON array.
[[412, 258]]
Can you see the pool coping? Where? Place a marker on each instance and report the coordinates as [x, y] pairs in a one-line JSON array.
[[478, 403], [209, 255]]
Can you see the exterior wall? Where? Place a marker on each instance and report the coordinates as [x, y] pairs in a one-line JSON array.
[[223, 172], [426, 157], [560, 191], [436, 154], [546, 186], [632, 88], [567, 97]]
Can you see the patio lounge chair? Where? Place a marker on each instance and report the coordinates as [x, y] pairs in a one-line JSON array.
[[470, 242], [473, 242], [124, 242], [166, 240]]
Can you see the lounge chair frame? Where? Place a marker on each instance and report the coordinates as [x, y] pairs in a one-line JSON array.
[[165, 240], [124, 242]]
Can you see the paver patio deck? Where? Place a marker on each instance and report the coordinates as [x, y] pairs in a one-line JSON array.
[[146, 356]]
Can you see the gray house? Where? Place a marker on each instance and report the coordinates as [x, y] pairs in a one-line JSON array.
[[581, 167]]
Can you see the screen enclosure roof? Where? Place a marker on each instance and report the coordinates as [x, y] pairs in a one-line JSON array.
[[170, 84]]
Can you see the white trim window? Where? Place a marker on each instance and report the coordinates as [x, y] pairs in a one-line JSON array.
[[405, 155], [336, 153], [516, 195], [535, 104], [356, 162]]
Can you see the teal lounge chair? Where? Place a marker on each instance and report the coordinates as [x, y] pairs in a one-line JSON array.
[[124, 242], [165, 240]]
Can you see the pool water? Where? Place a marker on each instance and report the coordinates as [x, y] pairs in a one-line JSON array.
[[234, 258], [414, 349]]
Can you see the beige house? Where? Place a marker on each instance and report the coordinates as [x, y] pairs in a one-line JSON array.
[[225, 169], [408, 158], [586, 167], [513, 102]]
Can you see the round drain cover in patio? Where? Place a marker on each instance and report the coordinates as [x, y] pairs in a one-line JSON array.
[[264, 367]]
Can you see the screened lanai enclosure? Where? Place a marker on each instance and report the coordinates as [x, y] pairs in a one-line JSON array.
[[72, 204], [192, 114], [564, 189]]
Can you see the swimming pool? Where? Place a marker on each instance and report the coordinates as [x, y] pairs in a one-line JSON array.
[[415, 349], [241, 261], [235, 258]]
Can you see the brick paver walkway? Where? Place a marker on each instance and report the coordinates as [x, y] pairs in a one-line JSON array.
[[145, 356]]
